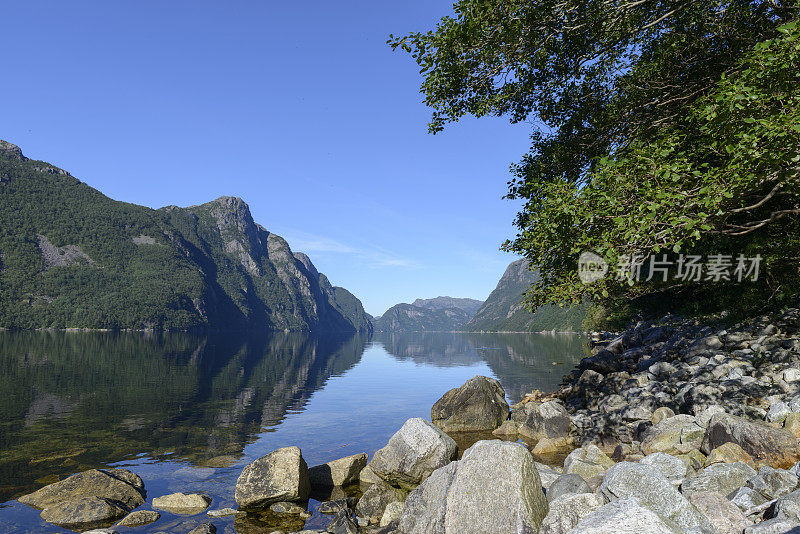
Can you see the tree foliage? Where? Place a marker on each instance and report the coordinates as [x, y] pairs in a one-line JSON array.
[[659, 127]]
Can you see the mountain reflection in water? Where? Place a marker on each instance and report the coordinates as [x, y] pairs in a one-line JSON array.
[[187, 412]]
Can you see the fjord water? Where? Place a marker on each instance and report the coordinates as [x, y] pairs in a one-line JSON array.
[[187, 412]]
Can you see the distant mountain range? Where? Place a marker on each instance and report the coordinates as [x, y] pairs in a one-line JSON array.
[[503, 310], [71, 257]]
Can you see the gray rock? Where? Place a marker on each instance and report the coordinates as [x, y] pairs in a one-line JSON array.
[[281, 475], [547, 474], [654, 491], [720, 512], [674, 469], [84, 512], [425, 508], [704, 417], [778, 525], [623, 516], [338, 472], [205, 528], [332, 507], [587, 461], [794, 404], [675, 435], [225, 512], [182, 503], [413, 453], [567, 485], [465, 496], [788, 506], [343, 523], [477, 406], [392, 513], [774, 446], [723, 478], [773, 483], [139, 518], [778, 412], [567, 510], [542, 420], [373, 502], [746, 498], [368, 476], [98, 483], [287, 508]]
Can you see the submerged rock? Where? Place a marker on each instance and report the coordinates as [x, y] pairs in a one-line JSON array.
[[182, 503], [372, 505], [139, 518], [86, 511], [92, 483], [281, 475], [413, 453], [477, 406]]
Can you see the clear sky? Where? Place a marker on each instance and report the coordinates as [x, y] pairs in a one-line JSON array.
[[300, 108]]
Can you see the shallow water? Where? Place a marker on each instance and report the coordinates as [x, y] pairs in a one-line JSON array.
[[187, 412]]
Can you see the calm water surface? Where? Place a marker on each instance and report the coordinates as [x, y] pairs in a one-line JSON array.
[[187, 412]]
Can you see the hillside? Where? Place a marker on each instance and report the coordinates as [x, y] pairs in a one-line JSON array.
[[410, 318], [442, 303], [70, 257], [503, 310]]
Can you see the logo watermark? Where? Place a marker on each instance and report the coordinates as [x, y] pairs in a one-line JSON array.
[[684, 267]]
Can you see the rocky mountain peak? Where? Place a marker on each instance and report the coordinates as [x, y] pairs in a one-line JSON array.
[[10, 150]]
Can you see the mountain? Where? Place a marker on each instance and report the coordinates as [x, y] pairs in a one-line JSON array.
[[442, 303], [410, 318], [503, 310], [70, 257]]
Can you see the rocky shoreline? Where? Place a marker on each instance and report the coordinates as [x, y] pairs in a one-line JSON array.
[[671, 426]]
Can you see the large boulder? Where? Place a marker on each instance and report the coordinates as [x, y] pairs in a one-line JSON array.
[[679, 434], [338, 472], [774, 446], [477, 406], [729, 453], [624, 516], [540, 420], [567, 510], [654, 491], [90, 498], [724, 478], [495, 487], [725, 516], [413, 453], [113, 485], [281, 475], [587, 461], [84, 512]]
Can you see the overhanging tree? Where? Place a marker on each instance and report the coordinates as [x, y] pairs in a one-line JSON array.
[[658, 126]]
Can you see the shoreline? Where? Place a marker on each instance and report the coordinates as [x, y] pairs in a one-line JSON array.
[[673, 425]]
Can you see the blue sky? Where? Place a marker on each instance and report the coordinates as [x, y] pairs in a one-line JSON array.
[[300, 108]]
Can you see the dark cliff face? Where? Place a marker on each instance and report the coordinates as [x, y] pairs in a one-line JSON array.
[[503, 310], [107, 264]]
